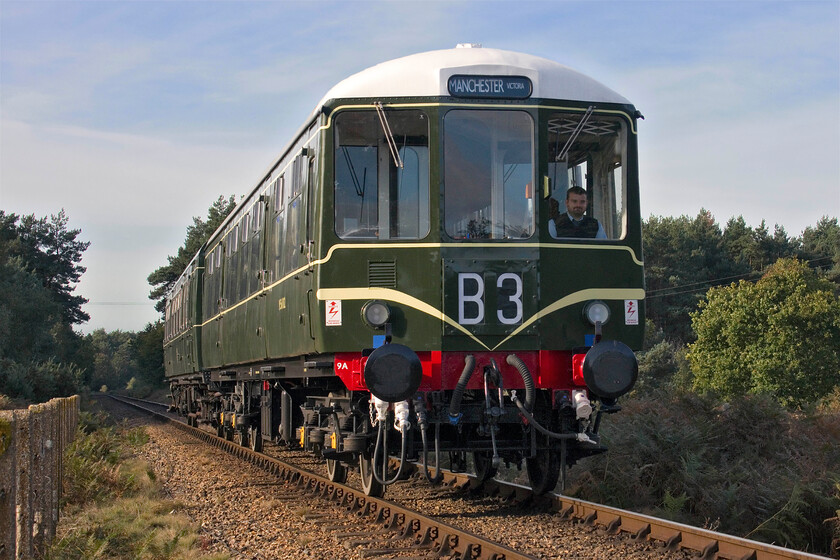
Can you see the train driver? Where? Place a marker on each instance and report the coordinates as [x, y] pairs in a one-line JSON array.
[[574, 222]]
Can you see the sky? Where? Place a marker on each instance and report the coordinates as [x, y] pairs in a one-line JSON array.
[[135, 116]]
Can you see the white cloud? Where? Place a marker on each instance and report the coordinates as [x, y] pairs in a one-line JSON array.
[[115, 284]]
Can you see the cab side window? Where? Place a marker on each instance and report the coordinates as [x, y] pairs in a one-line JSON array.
[[382, 191], [587, 153]]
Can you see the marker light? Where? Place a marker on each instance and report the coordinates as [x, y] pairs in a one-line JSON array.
[[596, 311], [376, 313]]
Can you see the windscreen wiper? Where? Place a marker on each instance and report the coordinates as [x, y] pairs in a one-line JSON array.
[[570, 142], [389, 136], [360, 188]]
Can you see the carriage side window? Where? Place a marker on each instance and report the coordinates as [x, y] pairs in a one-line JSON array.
[[278, 193], [586, 167], [233, 239], [168, 321], [233, 260], [290, 245], [212, 291], [178, 311], [257, 215], [278, 228], [183, 308], [488, 174], [378, 195], [246, 223]]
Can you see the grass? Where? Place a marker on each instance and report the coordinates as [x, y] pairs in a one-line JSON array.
[[113, 504]]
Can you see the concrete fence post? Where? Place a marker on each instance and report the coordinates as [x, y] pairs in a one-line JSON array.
[[8, 485], [24, 519], [32, 445]]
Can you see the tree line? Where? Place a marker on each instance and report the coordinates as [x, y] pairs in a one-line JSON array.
[[731, 309], [41, 354], [737, 310], [685, 257]]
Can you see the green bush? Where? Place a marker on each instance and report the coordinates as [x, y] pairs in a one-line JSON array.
[[780, 335], [39, 381], [834, 524], [804, 521], [748, 466], [139, 388], [93, 464]]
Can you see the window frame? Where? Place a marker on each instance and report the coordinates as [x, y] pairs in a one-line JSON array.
[[498, 199], [390, 191], [588, 172]]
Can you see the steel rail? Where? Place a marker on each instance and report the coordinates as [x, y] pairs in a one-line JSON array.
[[143, 401], [708, 544], [428, 534]]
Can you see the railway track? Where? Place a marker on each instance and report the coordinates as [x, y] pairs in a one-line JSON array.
[[385, 528], [399, 530]]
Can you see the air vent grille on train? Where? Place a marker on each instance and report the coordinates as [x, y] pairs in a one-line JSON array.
[[382, 274]]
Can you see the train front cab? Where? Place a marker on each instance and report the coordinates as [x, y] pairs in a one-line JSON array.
[[453, 236]]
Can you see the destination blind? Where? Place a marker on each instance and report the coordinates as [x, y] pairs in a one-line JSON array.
[[493, 87]]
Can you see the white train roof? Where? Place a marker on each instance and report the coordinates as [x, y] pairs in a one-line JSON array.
[[427, 74]]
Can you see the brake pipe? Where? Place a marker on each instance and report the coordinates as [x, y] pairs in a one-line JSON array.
[[422, 421], [516, 361], [579, 436], [383, 429], [458, 393]]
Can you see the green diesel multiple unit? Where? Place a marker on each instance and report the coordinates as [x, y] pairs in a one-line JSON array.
[[407, 267]]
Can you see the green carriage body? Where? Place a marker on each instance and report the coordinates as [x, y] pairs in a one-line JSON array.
[[265, 300], [380, 199]]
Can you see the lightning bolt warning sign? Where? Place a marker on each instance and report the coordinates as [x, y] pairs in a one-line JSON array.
[[333, 313]]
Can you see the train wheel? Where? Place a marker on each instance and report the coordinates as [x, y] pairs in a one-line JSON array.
[[336, 471], [220, 430], [484, 469], [370, 486], [255, 439], [543, 471], [229, 434], [240, 437]]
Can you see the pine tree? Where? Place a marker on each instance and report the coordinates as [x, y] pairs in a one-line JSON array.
[[163, 278]]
